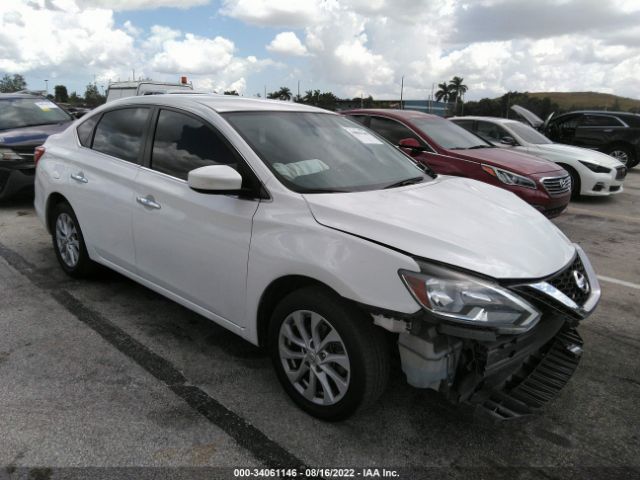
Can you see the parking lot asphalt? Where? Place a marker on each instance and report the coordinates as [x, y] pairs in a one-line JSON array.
[[106, 373]]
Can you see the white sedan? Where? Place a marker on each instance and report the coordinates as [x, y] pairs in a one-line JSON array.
[[301, 231], [592, 173]]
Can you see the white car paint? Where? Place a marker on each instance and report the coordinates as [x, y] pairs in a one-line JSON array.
[[565, 155], [217, 254]]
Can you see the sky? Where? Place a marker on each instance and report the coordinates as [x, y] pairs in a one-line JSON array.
[[349, 47]]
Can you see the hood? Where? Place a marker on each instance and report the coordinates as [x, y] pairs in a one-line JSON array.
[[509, 159], [453, 220], [30, 136], [558, 151]]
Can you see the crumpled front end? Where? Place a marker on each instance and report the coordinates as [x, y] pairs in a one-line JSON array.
[[508, 374]]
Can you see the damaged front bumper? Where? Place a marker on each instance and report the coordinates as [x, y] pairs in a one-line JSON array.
[[508, 375]]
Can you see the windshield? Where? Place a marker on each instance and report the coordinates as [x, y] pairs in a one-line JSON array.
[[24, 112], [321, 152], [448, 135], [528, 134]]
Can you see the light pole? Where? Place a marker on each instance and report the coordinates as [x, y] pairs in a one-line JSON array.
[[401, 92], [46, 86]]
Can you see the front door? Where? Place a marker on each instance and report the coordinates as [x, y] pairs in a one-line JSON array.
[[193, 245]]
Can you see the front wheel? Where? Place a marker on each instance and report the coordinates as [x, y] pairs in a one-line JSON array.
[[328, 355], [624, 154], [68, 242]]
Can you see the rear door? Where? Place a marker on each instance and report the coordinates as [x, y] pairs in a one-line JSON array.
[[595, 131], [102, 177], [193, 245]]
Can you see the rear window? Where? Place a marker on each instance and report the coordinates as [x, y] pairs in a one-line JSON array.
[[600, 121], [29, 112], [120, 133]]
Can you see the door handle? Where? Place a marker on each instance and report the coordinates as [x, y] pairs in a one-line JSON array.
[[79, 177], [148, 202]]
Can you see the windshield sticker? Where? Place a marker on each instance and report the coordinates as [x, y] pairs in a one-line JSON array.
[[363, 135], [46, 105], [301, 168]]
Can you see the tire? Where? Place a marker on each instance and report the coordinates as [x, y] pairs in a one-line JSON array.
[[575, 182], [348, 337], [68, 243], [623, 153]]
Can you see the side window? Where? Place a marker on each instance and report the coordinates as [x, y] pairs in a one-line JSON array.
[[571, 122], [599, 121], [183, 143], [85, 130], [120, 133], [491, 131], [466, 124], [362, 119], [391, 130]]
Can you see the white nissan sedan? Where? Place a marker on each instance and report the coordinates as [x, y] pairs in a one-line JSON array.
[[305, 233]]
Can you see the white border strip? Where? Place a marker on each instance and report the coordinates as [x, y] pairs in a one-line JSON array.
[[619, 282]]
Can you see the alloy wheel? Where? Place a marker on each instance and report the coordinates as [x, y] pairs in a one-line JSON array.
[[620, 155], [314, 357], [67, 240]]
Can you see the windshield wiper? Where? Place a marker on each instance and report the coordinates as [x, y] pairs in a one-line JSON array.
[[479, 146], [407, 181], [324, 190]]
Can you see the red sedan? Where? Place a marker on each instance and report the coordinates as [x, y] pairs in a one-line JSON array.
[[451, 150]]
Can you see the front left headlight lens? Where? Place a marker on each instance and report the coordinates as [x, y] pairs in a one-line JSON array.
[[509, 178], [461, 298]]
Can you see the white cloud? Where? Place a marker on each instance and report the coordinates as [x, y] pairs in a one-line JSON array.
[[119, 5], [287, 43], [277, 13]]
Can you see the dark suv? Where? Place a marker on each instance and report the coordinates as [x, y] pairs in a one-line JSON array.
[[26, 121], [615, 133]]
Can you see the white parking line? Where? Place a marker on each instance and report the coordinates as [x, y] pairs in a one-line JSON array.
[[619, 282]]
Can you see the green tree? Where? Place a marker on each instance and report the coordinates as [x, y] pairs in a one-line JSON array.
[[74, 99], [283, 94], [444, 92], [60, 94], [92, 96], [457, 89], [13, 83]]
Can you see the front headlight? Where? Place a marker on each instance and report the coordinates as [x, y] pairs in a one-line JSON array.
[[509, 178], [461, 298], [9, 155], [596, 168]]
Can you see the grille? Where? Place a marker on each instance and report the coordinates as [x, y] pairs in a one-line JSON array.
[[540, 380], [565, 281], [621, 172], [557, 186], [24, 152]]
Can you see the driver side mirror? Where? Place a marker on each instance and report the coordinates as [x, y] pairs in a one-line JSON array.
[[411, 144], [507, 140], [215, 179]]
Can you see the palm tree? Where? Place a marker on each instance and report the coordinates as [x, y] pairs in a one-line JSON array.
[[444, 92], [283, 94], [458, 89]]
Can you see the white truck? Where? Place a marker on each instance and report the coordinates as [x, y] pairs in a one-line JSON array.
[[118, 90]]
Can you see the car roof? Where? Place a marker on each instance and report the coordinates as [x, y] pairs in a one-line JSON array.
[[390, 112], [21, 95], [488, 119], [219, 103], [602, 112]]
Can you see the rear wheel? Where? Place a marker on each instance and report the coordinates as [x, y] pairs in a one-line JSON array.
[[68, 242], [328, 355]]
